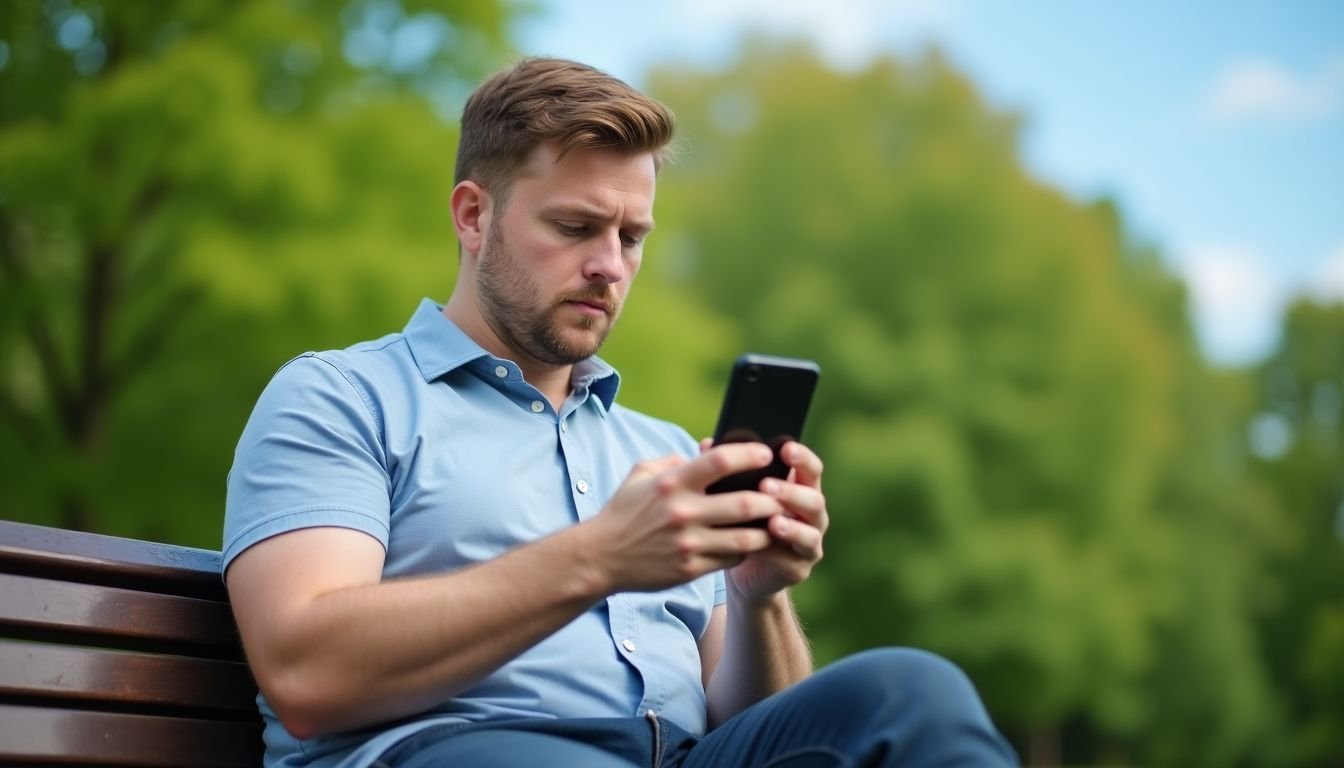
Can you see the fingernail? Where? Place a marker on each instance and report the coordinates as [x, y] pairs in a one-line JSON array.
[[770, 486]]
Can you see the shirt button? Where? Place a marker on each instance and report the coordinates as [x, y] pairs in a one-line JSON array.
[[537, 407], [628, 645], [501, 371], [582, 485], [564, 426]]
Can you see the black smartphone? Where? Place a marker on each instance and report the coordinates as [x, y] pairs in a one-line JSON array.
[[766, 402]]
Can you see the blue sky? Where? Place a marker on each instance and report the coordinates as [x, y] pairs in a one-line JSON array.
[[1219, 127]]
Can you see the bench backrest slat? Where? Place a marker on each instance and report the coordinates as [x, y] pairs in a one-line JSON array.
[[42, 736], [91, 677], [50, 610], [115, 562]]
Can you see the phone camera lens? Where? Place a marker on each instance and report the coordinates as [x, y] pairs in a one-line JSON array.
[[752, 374]]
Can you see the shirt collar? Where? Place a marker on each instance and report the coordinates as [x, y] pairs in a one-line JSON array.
[[600, 379], [439, 346]]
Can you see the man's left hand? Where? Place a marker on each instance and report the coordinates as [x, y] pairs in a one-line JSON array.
[[797, 535]]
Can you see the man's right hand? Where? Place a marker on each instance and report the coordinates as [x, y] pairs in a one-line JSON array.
[[660, 529]]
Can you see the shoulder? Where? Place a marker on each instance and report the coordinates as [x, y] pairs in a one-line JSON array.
[[370, 361], [370, 372]]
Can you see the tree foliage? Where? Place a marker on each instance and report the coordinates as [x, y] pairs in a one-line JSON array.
[[1299, 430], [188, 199], [1030, 467]]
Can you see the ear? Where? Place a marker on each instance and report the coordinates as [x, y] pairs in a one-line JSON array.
[[471, 206]]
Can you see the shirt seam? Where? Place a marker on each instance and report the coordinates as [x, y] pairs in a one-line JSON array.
[[360, 391]]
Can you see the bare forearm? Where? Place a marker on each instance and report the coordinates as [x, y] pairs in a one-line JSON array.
[[765, 651], [367, 654], [335, 647]]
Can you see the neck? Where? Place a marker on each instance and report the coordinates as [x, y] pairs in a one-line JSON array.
[[553, 381]]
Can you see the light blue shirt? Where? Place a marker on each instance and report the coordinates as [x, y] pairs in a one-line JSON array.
[[446, 456]]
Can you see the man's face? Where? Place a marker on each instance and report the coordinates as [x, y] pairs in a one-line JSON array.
[[559, 256]]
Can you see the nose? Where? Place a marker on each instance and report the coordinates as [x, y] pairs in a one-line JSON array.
[[605, 262]]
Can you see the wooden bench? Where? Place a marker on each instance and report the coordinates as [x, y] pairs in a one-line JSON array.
[[117, 652]]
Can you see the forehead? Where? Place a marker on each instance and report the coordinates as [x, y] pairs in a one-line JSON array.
[[604, 178]]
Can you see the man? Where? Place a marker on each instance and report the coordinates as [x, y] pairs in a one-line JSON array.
[[450, 546]]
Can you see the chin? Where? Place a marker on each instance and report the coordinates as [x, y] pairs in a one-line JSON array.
[[584, 344]]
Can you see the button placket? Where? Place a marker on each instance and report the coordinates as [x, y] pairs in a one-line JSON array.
[[583, 483]]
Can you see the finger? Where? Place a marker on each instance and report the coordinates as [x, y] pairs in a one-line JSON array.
[[737, 508], [802, 539], [800, 501], [807, 466], [705, 444], [736, 541], [723, 460], [708, 562]]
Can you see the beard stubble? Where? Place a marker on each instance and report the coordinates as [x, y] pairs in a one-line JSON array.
[[515, 310]]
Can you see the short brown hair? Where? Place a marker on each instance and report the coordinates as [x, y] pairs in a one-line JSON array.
[[545, 99]]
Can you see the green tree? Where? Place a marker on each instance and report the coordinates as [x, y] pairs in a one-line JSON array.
[[1298, 429], [189, 196], [1005, 398]]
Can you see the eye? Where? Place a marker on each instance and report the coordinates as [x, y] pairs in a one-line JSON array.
[[570, 229], [630, 240]]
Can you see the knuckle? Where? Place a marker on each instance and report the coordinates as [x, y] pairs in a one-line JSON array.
[[745, 541], [665, 485], [680, 514], [746, 505], [720, 461], [686, 547]]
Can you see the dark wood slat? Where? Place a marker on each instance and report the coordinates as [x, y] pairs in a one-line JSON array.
[[34, 550], [83, 613], [36, 735], [89, 676]]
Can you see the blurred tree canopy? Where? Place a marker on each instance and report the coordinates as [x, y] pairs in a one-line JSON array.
[[1031, 469], [1299, 429], [187, 199]]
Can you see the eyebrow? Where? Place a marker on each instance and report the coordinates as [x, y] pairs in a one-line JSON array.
[[589, 211]]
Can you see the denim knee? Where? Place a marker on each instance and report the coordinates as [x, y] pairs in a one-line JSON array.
[[907, 678]]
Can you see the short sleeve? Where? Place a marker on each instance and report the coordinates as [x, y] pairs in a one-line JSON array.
[[310, 455], [720, 589]]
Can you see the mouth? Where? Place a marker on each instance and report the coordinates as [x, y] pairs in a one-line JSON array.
[[590, 307]]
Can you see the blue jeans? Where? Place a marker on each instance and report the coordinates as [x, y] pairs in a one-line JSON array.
[[884, 707]]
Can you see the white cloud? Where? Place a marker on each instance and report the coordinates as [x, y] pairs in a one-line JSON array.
[[1237, 301], [847, 33], [1329, 282], [1253, 89]]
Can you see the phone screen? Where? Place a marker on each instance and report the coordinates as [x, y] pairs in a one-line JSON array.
[[766, 402]]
